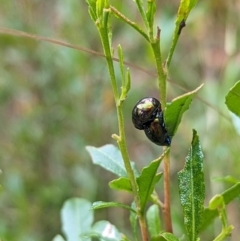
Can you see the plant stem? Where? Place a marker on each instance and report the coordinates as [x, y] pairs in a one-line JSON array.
[[224, 234], [167, 210], [122, 140], [124, 151], [177, 32], [128, 21], [162, 76], [142, 222]]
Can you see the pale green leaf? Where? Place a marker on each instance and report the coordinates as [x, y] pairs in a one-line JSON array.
[[109, 157], [58, 238], [105, 231], [77, 218]]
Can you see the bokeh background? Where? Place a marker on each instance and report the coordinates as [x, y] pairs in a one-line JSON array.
[[55, 100]]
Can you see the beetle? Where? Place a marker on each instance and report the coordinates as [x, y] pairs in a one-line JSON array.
[[147, 115], [145, 111]]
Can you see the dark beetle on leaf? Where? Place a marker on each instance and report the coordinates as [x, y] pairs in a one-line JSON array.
[[147, 115]]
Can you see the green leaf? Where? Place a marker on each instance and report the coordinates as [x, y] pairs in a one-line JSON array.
[[233, 99], [122, 183], [125, 76], [128, 82], [109, 157], [174, 111], [151, 10], [141, 11], [165, 237], [228, 196], [231, 193], [77, 218], [153, 220], [105, 231], [100, 5], [58, 238], [184, 9], [192, 189], [121, 64], [92, 9], [100, 204], [147, 181], [148, 178]]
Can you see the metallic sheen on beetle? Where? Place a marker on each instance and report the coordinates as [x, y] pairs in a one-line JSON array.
[[147, 115]]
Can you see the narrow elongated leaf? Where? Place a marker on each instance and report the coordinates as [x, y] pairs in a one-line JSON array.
[[147, 180], [92, 9], [192, 189], [233, 99], [151, 9], [109, 157], [184, 9], [77, 218], [100, 204], [122, 183], [174, 110], [99, 7], [153, 220], [228, 195]]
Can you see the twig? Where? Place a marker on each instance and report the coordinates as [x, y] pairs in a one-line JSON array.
[[167, 210]]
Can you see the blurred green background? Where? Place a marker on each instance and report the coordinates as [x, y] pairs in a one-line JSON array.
[[56, 100]]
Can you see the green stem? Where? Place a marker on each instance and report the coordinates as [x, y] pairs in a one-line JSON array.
[[224, 234], [142, 12], [122, 140], [162, 75], [128, 21], [171, 51], [223, 215], [177, 31]]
